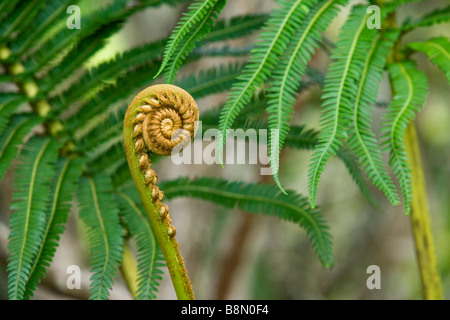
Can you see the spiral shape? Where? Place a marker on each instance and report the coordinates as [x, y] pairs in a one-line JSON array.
[[164, 117]]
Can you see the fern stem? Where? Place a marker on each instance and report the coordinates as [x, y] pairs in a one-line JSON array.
[[173, 105], [420, 220], [129, 270]]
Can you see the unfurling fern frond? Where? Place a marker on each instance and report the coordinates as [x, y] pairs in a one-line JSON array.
[[362, 139], [199, 16], [62, 190], [437, 50], [276, 34], [288, 74], [27, 223], [410, 88], [11, 139], [259, 198], [188, 42], [339, 92], [101, 218], [149, 256]]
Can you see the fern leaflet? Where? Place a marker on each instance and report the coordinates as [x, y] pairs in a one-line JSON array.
[[338, 93], [288, 75], [410, 87], [437, 50], [99, 213], [149, 255], [259, 198], [31, 194]]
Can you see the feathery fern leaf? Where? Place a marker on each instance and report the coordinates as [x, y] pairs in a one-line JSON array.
[[31, 194], [259, 198], [95, 79], [45, 19], [237, 27], [187, 43], [288, 74], [19, 18], [12, 137], [277, 33], [362, 139], [339, 92], [410, 87], [75, 58], [440, 15], [101, 218], [6, 7], [149, 255], [198, 12], [62, 189], [437, 50], [8, 104], [210, 81]]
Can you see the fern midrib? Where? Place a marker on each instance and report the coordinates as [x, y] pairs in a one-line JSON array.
[[356, 115], [338, 103], [105, 238], [148, 227], [52, 214], [251, 197], [261, 64], [173, 68], [293, 58], [30, 199]]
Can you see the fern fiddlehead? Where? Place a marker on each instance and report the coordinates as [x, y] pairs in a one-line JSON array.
[[159, 119]]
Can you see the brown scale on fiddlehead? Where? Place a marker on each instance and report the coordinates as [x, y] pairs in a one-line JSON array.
[[164, 120], [159, 119]]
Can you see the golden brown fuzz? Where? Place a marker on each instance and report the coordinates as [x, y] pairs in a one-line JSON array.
[[164, 119]]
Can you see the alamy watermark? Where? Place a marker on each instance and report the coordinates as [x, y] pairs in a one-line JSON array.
[[247, 146]]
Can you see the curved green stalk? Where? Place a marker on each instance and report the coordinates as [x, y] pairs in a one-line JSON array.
[[157, 213]]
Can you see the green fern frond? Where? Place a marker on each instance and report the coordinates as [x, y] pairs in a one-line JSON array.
[[75, 58], [52, 12], [107, 72], [437, 50], [288, 74], [198, 12], [237, 27], [339, 92], [210, 81], [8, 105], [11, 139], [6, 7], [410, 87], [30, 199], [189, 40], [259, 198], [62, 189], [149, 255], [276, 34], [19, 18], [99, 213], [440, 15], [362, 139], [107, 101]]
